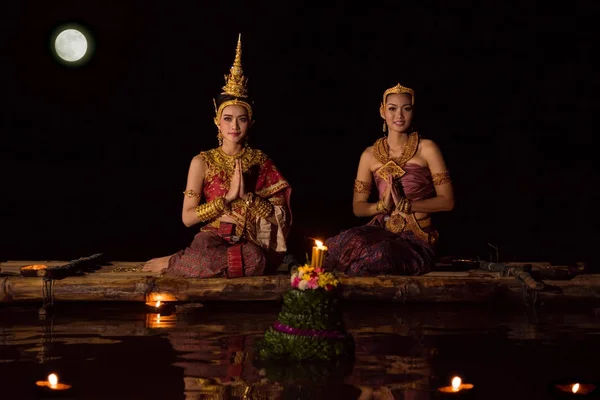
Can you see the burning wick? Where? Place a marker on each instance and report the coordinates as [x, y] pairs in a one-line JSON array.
[[319, 244], [575, 388], [157, 304], [53, 381]]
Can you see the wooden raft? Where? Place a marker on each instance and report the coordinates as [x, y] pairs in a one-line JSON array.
[[123, 281]]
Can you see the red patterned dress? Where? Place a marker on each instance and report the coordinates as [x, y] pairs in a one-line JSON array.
[[253, 245]]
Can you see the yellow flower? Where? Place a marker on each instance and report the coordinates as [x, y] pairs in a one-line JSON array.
[[307, 269], [327, 278]]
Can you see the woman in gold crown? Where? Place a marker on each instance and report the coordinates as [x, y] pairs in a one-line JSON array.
[[246, 212], [412, 182]]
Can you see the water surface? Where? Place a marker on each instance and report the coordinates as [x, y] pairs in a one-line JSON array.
[[121, 351]]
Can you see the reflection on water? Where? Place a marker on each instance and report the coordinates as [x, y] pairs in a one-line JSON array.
[[402, 352]]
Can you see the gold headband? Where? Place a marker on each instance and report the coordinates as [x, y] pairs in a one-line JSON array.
[[235, 85], [397, 90]]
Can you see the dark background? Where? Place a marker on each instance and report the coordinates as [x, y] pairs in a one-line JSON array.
[[94, 159]]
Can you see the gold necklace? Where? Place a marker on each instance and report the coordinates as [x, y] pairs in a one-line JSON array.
[[218, 160], [382, 152], [237, 155]]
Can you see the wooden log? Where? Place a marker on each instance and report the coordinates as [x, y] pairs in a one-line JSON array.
[[137, 286], [260, 288], [80, 288]]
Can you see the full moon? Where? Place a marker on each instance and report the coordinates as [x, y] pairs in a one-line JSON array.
[[71, 45]]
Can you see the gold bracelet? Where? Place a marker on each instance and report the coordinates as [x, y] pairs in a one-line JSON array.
[[212, 209], [382, 207], [261, 207], [404, 206], [249, 199]]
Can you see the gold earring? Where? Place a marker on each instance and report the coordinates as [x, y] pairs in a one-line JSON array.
[[220, 138], [384, 126]]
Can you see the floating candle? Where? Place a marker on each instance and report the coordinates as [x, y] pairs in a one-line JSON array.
[[53, 383], [154, 307], [575, 389], [318, 254], [456, 387]]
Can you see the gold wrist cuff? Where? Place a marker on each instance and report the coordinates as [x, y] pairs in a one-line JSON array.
[[261, 207], [404, 206], [212, 209], [382, 208]]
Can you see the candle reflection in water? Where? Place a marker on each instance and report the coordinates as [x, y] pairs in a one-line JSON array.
[[156, 320]]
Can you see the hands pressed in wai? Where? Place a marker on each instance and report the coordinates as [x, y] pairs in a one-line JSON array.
[[388, 198], [236, 187]]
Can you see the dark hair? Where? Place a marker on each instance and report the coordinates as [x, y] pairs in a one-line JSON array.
[[223, 97]]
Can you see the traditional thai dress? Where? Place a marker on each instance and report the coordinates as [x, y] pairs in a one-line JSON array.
[[397, 244], [256, 243]]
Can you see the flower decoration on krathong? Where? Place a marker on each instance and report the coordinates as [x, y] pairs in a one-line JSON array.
[[313, 278]]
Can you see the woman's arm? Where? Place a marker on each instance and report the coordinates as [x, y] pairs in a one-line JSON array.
[[191, 200], [362, 189], [444, 199]]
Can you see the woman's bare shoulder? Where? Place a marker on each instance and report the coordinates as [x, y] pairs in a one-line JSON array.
[[368, 153], [199, 161], [428, 145]]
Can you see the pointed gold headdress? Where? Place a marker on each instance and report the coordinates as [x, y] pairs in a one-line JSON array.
[[395, 90], [235, 85]]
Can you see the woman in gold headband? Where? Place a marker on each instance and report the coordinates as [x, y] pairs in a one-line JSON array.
[[412, 182], [245, 213]]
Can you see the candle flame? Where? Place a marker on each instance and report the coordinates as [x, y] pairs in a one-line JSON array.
[[157, 304], [456, 382], [319, 244], [575, 388], [158, 318], [53, 379]]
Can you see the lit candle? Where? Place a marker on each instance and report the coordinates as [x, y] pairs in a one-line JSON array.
[[457, 388], [53, 384], [575, 389], [154, 306], [318, 254]]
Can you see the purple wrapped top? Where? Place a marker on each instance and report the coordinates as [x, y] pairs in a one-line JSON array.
[[416, 184]]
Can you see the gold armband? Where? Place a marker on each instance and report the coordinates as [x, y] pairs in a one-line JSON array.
[[191, 193], [212, 209], [261, 207], [362, 186], [441, 178]]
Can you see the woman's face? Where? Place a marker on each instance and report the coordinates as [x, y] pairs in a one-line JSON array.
[[398, 112], [234, 123]]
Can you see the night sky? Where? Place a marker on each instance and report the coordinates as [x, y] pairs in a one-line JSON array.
[[95, 159]]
